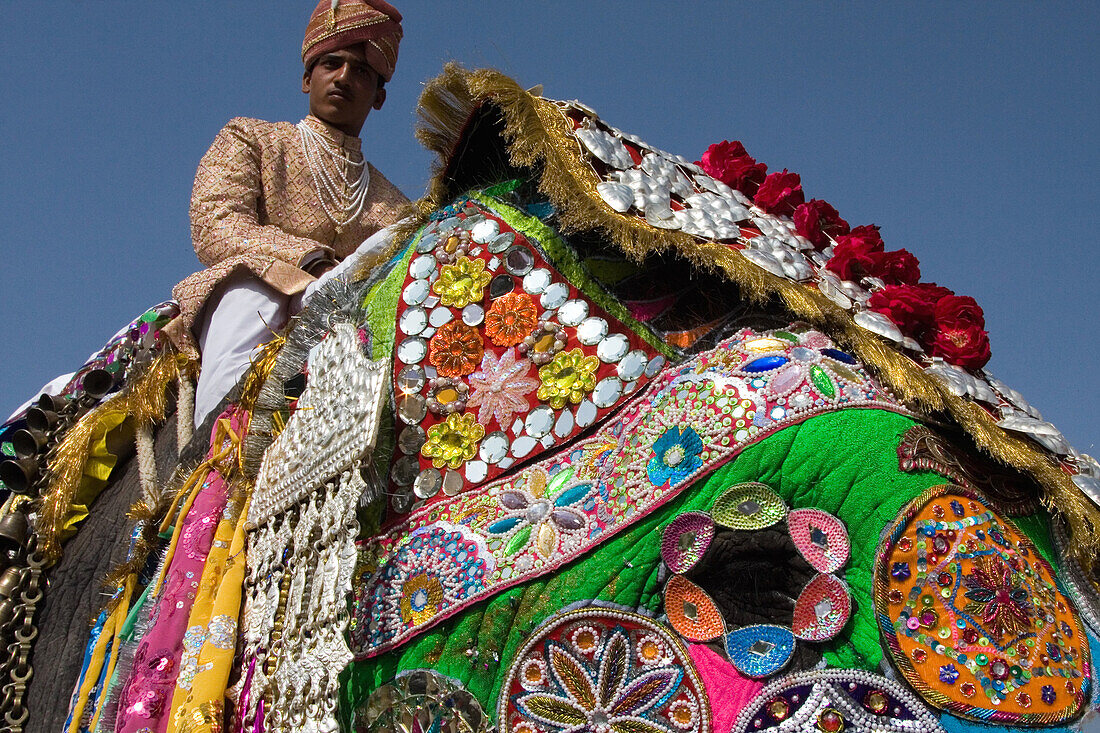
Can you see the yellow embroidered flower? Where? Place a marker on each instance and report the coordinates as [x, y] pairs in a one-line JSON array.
[[569, 377], [462, 283], [421, 597], [453, 441]]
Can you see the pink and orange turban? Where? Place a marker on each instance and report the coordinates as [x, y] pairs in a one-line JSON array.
[[337, 24]]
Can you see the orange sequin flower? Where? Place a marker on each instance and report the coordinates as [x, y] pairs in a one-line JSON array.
[[510, 318], [456, 349]]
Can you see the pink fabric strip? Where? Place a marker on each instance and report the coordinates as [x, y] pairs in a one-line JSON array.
[[727, 689], [147, 695]]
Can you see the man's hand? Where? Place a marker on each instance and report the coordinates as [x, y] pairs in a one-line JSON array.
[[320, 267]]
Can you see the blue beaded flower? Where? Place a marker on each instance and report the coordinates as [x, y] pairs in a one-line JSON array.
[[676, 456]]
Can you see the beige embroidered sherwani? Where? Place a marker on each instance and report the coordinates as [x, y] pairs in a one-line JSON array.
[[254, 206]]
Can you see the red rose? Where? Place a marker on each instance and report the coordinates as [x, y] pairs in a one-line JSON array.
[[959, 336], [867, 233], [962, 344], [780, 193], [818, 221], [897, 268], [853, 258], [728, 162], [911, 307], [957, 310]]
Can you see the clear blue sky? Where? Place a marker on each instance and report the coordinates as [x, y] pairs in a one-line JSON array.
[[966, 130]]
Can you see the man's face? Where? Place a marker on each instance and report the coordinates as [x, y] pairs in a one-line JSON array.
[[343, 89]]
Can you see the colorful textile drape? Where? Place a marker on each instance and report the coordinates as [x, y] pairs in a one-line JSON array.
[[169, 650]]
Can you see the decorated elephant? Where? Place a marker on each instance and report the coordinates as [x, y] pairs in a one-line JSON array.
[[608, 444]]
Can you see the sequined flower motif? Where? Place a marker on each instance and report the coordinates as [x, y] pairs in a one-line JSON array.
[[447, 395], [603, 697], [542, 344], [453, 441], [455, 245], [567, 378], [462, 283], [421, 596], [997, 599], [501, 387], [541, 512], [675, 456], [455, 349], [511, 318]]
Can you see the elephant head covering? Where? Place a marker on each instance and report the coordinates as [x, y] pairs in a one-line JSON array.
[[337, 24]]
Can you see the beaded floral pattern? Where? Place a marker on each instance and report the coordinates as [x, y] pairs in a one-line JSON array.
[[461, 283], [488, 326], [602, 670], [562, 506], [833, 700], [453, 441], [455, 349], [511, 318], [567, 378], [823, 606], [501, 386], [972, 615]]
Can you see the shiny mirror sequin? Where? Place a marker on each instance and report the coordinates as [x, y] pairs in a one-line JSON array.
[[422, 266], [761, 650], [554, 296], [748, 506], [518, 260], [607, 392], [691, 611], [502, 242], [822, 609], [591, 330], [820, 537], [633, 365], [415, 292], [572, 312], [613, 348], [494, 447], [685, 540], [413, 321]]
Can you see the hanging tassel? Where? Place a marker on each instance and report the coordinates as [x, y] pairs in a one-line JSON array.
[[147, 462], [185, 409]]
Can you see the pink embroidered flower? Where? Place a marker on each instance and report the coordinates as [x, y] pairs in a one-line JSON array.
[[500, 387]]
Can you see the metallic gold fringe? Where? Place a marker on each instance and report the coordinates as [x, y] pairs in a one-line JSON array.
[[538, 137], [145, 400]]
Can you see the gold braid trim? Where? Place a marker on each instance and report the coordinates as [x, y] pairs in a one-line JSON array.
[[143, 401], [539, 137]]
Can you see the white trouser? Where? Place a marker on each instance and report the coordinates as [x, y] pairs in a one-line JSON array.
[[242, 314]]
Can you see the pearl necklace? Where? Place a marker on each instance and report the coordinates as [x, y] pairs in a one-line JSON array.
[[341, 183]]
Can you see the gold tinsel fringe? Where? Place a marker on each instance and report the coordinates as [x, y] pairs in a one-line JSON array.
[[144, 400], [537, 136]]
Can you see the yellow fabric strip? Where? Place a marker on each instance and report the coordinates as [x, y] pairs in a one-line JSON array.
[[111, 627], [116, 622], [199, 701]]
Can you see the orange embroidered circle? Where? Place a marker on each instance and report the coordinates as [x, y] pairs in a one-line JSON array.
[[456, 349], [510, 318]]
